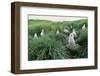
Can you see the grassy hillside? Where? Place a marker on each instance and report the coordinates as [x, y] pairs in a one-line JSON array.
[[52, 45]]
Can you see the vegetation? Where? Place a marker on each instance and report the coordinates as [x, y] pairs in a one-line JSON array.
[[52, 45]]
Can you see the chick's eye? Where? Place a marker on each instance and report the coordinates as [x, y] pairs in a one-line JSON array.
[[71, 35]]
